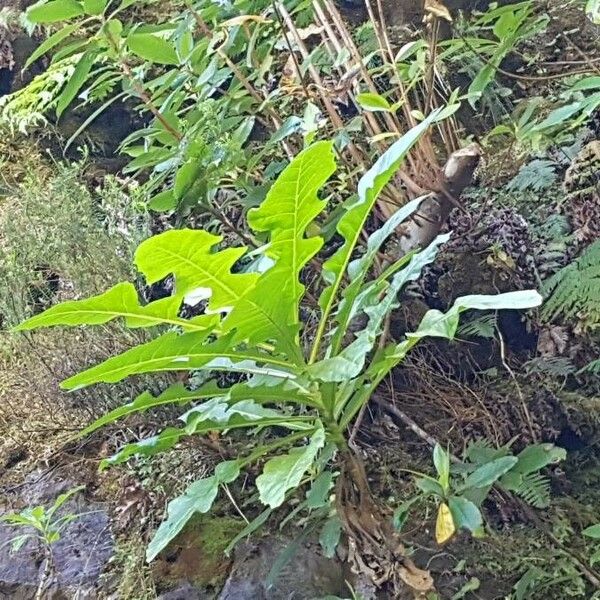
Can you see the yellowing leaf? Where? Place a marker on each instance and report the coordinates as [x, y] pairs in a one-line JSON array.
[[444, 525], [382, 136], [437, 9], [243, 19], [312, 29]]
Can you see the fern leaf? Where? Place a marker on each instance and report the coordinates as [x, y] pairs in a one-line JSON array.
[[556, 366], [483, 326], [538, 175], [574, 292], [535, 490]]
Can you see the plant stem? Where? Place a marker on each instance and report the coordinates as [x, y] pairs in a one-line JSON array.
[[140, 90], [225, 221]]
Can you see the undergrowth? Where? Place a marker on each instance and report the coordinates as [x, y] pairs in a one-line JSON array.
[[230, 98], [76, 239], [573, 293]]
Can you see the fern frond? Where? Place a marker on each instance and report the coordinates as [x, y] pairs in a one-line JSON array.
[[535, 490], [556, 366], [26, 108], [538, 175], [483, 326], [574, 292]]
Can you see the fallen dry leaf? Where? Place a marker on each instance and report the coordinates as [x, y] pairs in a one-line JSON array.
[[243, 19]]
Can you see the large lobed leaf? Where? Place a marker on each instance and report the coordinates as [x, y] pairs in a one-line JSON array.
[[173, 352], [290, 207], [259, 307], [119, 301], [190, 256]]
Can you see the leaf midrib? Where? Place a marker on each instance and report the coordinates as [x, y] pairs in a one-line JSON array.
[[184, 364], [225, 287]]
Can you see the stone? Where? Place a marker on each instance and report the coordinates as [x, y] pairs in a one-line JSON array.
[[306, 575], [80, 556]]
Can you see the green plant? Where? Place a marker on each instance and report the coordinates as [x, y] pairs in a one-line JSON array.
[[537, 175], [461, 487], [315, 383], [199, 106], [593, 533], [45, 522], [69, 232], [592, 10], [479, 54], [46, 526], [573, 293], [577, 103]]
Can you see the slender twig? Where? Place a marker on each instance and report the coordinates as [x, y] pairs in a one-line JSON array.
[[391, 120], [226, 222], [204, 28], [290, 49], [335, 118], [140, 90], [526, 413], [516, 75], [581, 53], [234, 503], [410, 423]]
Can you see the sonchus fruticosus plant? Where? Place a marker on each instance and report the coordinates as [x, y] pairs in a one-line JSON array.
[[312, 386]]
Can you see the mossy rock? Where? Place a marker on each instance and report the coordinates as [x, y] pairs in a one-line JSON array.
[[197, 555]]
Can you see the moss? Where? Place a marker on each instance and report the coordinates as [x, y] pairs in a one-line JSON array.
[[198, 553]]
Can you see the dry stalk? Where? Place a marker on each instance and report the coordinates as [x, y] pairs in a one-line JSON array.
[[391, 120], [334, 117], [331, 40]]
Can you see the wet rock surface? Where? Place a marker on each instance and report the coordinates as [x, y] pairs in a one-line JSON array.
[[80, 556]]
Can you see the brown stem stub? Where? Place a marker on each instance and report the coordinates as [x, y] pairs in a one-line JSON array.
[[433, 212]]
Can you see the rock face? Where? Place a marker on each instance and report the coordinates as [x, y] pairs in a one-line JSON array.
[[194, 567], [306, 575], [80, 556], [15, 49]]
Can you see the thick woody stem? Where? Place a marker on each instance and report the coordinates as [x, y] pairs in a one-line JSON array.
[[427, 221]]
